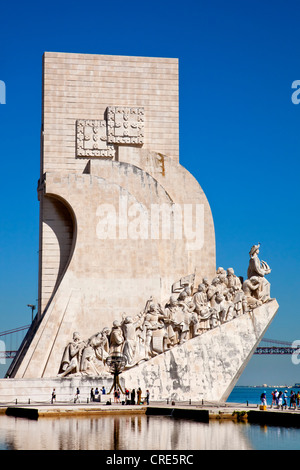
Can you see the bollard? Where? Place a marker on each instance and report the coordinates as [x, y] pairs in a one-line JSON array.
[[28, 401], [16, 401], [190, 402]]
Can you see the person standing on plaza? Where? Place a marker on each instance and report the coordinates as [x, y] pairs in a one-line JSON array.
[[285, 398], [263, 398], [280, 398], [298, 399], [273, 399], [53, 396], [147, 396], [139, 396], [133, 397], [293, 403], [276, 396]]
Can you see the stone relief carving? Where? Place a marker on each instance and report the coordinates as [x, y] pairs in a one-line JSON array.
[[98, 138], [188, 313], [92, 139], [125, 125]]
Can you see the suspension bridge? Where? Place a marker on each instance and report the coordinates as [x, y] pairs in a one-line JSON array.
[[11, 340]]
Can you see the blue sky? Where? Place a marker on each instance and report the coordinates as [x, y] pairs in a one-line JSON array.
[[239, 131]]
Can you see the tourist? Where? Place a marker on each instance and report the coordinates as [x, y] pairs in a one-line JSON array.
[[285, 397], [103, 391], [133, 396], [280, 399], [147, 396], [273, 399], [263, 398], [293, 403], [139, 396], [92, 395], [77, 396], [53, 396], [276, 396], [298, 399]]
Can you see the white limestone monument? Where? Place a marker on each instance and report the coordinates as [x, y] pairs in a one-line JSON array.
[[127, 264]]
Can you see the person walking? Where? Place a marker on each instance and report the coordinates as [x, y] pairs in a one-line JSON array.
[[293, 400], [139, 396], [273, 399], [92, 395], [77, 396], [285, 398], [276, 396], [53, 396], [280, 396], [147, 396]]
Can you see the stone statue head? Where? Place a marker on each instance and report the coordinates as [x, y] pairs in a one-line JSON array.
[[230, 272], [201, 287], [182, 295], [76, 336], [254, 250]]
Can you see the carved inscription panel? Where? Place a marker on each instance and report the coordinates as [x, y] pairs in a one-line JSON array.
[[92, 139], [98, 138], [125, 125]]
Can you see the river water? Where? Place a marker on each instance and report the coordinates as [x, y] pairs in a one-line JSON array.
[[141, 432]]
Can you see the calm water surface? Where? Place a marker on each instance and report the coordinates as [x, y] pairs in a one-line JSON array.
[[140, 432]]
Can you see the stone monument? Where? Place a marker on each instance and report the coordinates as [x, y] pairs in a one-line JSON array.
[[127, 246]]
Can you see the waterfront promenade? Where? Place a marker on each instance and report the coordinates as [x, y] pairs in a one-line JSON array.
[[202, 412]]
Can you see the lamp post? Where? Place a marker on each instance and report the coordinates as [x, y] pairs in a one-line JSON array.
[[32, 310]]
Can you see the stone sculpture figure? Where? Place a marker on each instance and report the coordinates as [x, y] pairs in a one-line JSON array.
[[71, 360], [131, 342], [251, 289], [202, 308], [95, 352], [116, 339], [259, 269], [154, 339], [169, 318]]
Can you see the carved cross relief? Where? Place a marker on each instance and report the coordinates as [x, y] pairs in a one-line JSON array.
[[122, 126]]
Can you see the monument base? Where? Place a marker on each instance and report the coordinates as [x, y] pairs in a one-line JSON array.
[[204, 368], [22, 391]]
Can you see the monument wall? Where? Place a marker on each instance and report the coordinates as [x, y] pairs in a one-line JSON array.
[[120, 219]]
